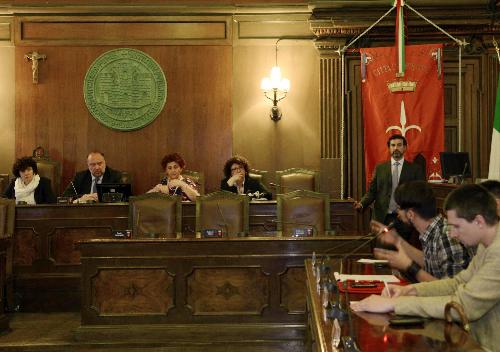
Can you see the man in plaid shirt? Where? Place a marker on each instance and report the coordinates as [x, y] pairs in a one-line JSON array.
[[441, 256]]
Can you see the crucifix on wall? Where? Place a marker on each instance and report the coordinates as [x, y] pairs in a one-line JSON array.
[[34, 57]]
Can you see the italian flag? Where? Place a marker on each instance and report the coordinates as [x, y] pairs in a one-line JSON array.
[[494, 172]]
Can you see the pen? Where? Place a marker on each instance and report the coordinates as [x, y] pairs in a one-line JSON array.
[[387, 288]]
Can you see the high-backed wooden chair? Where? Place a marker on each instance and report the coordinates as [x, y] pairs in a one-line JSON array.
[[303, 213], [126, 177], [51, 169], [294, 179], [7, 220], [155, 214], [195, 176], [198, 177], [259, 175], [4, 182], [224, 211]]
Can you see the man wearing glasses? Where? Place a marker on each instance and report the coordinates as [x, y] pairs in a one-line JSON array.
[[441, 256]]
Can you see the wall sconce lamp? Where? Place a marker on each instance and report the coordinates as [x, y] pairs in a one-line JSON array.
[[275, 88]]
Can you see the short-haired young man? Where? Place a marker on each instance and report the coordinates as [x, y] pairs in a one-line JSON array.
[[473, 220]]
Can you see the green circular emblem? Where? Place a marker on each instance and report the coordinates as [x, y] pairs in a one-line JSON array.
[[125, 89]]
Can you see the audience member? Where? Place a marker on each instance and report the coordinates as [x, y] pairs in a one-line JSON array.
[[473, 220], [441, 256]]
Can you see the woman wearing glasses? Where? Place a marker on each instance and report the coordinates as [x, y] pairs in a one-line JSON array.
[[238, 181]]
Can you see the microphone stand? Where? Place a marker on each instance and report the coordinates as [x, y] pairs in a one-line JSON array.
[[224, 222], [349, 341], [334, 308]]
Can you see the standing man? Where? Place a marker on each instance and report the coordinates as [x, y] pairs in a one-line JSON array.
[[472, 216], [441, 256], [386, 178], [83, 186]]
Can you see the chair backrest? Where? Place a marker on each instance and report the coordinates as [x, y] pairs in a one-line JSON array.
[[155, 214], [52, 170], [197, 177], [294, 179], [4, 182], [303, 210], [224, 211], [7, 217], [126, 177], [259, 175]]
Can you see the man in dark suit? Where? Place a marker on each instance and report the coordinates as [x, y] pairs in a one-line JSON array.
[[84, 183], [386, 178]]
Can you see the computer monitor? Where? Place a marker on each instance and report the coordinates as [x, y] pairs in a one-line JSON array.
[[113, 192], [455, 164]]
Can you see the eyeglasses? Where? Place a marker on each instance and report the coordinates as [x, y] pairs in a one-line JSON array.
[[237, 168]]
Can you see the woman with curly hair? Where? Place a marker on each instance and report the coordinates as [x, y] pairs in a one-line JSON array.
[[174, 182], [238, 181], [28, 187]]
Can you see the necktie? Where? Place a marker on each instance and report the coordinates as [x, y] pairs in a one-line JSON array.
[[395, 180], [93, 189]]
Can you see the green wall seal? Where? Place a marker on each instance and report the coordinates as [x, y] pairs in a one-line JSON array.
[[125, 89]]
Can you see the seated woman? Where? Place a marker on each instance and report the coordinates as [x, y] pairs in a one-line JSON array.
[[174, 182], [28, 187], [237, 180]]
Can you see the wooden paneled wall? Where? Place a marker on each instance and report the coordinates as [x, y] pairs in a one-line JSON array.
[[196, 120], [196, 57]]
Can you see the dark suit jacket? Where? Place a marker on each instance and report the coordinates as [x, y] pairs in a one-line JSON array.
[[251, 186], [43, 193], [380, 188], [83, 182]]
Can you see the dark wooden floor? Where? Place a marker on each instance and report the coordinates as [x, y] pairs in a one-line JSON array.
[[50, 332]]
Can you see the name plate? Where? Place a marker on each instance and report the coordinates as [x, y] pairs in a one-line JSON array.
[[122, 234], [64, 200], [212, 233], [302, 232]]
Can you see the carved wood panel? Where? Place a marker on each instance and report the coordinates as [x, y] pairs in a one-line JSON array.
[[132, 291], [227, 291], [62, 242], [26, 247], [293, 289]]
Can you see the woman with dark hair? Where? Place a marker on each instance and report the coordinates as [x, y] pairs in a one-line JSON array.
[[174, 182], [28, 187], [238, 181]]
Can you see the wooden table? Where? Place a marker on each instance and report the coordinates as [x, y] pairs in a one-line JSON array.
[[373, 333], [46, 264]]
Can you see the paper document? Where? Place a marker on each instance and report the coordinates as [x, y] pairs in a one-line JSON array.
[[387, 278], [373, 261]]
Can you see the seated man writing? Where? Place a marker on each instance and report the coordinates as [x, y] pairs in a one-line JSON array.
[[441, 256], [473, 220]]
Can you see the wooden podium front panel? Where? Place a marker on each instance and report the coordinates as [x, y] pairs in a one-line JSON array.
[[204, 281]]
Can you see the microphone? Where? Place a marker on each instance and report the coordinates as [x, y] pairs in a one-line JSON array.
[[223, 218], [74, 188]]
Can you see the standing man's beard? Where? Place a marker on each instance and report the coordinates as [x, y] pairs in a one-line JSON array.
[[397, 154]]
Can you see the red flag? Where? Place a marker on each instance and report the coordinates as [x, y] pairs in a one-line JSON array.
[[418, 115]]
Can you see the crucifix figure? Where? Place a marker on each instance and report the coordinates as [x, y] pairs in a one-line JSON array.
[[34, 57]]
